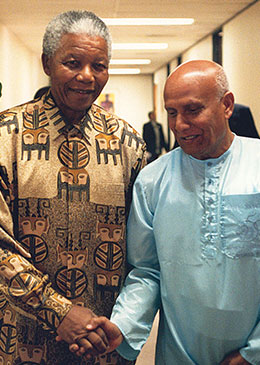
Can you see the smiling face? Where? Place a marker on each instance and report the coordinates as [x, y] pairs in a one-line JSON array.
[[78, 71], [197, 116]]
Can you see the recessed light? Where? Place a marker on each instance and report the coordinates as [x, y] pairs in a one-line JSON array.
[[127, 46], [124, 71], [131, 61], [148, 21]]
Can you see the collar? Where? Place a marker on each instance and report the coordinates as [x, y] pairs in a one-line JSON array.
[[57, 121]]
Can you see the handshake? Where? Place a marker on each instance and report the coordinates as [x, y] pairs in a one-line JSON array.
[[88, 335]]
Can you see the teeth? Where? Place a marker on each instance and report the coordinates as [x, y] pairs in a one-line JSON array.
[[83, 91], [189, 137]]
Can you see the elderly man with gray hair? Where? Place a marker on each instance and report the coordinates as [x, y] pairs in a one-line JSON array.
[[66, 172]]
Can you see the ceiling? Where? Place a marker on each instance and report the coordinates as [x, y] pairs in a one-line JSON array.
[[27, 19]]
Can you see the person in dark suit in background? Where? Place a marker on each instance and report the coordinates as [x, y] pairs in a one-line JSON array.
[[154, 138], [242, 123]]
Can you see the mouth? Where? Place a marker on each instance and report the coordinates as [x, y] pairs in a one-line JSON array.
[[190, 138], [82, 92]]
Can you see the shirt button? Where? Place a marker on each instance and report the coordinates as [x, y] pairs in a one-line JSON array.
[[210, 201], [209, 163]]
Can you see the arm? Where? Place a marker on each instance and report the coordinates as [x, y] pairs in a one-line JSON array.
[[30, 291], [139, 300], [137, 304]]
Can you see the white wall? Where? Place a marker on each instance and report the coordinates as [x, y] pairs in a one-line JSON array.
[[173, 64], [203, 50], [133, 97], [241, 58], [160, 77], [20, 71]]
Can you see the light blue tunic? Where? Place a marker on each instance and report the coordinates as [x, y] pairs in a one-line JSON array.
[[194, 242]]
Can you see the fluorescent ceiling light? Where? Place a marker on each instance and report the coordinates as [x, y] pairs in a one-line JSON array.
[[148, 21], [130, 62], [124, 71], [139, 46]]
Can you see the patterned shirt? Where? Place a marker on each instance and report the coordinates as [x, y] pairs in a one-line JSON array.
[[65, 194]]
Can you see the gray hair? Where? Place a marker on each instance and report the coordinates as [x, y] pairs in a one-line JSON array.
[[222, 82], [74, 22]]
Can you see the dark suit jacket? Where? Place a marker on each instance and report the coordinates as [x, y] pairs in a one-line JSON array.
[[149, 138], [242, 123]]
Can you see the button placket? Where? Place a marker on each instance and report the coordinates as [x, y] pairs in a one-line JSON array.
[[211, 202]]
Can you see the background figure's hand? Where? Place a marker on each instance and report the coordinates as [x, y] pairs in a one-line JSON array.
[[73, 330], [234, 358], [113, 334]]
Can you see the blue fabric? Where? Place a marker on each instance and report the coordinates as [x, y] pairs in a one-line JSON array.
[[194, 242]]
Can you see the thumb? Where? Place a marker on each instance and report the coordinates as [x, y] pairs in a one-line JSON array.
[[111, 330]]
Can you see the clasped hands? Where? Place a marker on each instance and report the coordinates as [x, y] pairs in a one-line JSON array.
[[87, 334]]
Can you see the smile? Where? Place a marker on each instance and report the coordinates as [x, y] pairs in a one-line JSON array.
[[85, 92], [189, 138]]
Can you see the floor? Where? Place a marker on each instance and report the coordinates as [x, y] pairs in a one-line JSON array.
[[146, 356]]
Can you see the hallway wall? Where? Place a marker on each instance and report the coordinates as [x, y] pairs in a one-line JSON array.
[[20, 70], [241, 50]]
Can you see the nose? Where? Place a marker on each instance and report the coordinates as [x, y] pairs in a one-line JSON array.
[[85, 74], [181, 123]]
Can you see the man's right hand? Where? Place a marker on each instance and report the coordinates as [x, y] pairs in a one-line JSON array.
[[113, 334], [73, 329]]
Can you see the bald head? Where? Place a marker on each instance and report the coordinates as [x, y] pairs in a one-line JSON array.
[[200, 70], [199, 104]]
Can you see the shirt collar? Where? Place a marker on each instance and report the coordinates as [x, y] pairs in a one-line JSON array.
[[220, 159], [57, 121]]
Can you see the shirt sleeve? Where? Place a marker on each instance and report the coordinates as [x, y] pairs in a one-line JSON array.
[[251, 352], [139, 300], [27, 289]]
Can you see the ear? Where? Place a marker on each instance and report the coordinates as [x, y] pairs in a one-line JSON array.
[[228, 102], [46, 64]]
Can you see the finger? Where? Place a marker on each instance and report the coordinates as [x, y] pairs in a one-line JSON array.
[[58, 338], [101, 333], [85, 347], [96, 340], [74, 347], [96, 322], [109, 328]]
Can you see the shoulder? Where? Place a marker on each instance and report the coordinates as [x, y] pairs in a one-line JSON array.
[[14, 110], [110, 119], [147, 124], [110, 124], [11, 119], [152, 173], [249, 145], [240, 107]]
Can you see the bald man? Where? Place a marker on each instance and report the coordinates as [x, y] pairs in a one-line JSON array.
[[194, 235]]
